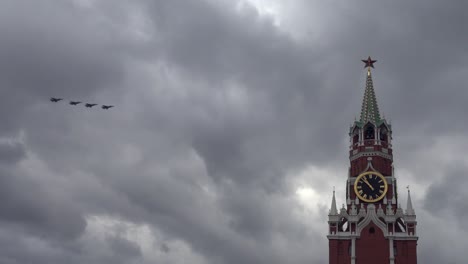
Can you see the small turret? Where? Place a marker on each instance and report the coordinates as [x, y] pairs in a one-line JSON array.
[[333, 209], [409, 205]]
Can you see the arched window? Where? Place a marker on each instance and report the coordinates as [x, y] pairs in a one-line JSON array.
[[400, 225], [355, 139], [383, 134], [343, 225], [369, 132], [355, 135]]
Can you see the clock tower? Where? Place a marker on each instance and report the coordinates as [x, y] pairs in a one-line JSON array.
[[372, 227]]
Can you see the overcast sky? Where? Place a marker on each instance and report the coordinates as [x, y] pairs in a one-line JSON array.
[[229, 129]]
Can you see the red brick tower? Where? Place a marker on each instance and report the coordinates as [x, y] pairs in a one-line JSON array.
[[372, 227]]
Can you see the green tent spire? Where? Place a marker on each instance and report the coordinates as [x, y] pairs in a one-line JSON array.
[[370, 109]]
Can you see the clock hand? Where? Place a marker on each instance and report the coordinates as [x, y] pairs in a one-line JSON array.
[[365, 180]]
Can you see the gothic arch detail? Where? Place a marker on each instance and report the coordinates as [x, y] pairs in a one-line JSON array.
[[371, 216]]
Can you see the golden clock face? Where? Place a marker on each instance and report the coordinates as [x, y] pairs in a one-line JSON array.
[[370, 186]]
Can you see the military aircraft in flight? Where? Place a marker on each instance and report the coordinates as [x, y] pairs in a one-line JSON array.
[[55, 100], [90, 105], [74, 102], [107, 106]]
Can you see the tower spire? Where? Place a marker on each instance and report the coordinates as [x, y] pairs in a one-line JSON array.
[[333, 209], [409, 204], [370, 109]]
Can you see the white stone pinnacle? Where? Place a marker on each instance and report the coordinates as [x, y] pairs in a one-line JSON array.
[[409, 205], [333, 209]]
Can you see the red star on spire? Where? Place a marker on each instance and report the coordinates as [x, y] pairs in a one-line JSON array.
[[369, 62]]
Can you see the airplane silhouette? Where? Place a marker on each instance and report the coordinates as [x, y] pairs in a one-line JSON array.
[[107, 106], [74, 102], [52, 99], [90, 105]]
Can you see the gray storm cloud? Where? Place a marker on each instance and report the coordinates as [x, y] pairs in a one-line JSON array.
[[219, 114]]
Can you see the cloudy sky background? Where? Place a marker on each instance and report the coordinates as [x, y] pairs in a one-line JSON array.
[[230, 126]]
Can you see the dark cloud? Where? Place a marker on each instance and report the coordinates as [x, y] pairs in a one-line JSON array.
[[124, 248], [27, 203], [446, 197], [165, 248], [11, 152], [219, 113]]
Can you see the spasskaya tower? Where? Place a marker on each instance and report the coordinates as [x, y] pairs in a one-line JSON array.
[[372, 227]]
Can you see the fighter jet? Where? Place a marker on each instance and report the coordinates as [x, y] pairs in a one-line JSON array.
[[55, 100], [90, 105], [107, 106], [74, 102]]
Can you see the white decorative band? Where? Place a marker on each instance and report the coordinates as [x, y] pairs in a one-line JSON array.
[[370, 154]]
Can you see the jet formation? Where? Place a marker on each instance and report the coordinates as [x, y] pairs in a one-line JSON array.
[[88, 105]]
